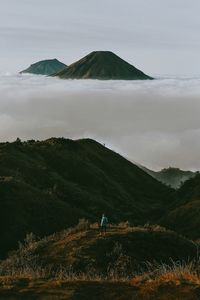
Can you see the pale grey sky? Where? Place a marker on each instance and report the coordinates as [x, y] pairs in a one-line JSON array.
[[157, 36]]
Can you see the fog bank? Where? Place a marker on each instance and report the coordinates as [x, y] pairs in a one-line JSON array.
[[155, 123]]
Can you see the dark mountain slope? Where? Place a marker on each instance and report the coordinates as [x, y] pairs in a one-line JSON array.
[[102, 65], [45, 67], [190, 190], [173, 177], [48, 185], [185, 217]]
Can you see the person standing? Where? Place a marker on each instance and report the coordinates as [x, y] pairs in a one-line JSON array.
[[104, 224]]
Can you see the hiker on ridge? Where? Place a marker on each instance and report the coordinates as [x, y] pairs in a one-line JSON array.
[[104, 223]]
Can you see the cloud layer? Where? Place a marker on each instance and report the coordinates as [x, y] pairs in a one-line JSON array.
[[155, 123]]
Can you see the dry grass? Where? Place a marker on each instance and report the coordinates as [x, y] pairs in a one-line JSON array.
[[180, 282], [24, 263], [178, 273]]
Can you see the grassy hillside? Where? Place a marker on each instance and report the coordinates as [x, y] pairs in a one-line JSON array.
[[79, 263], [190, 190], [48, 185], [102, 65], [173, 177], [178, 288], [123, 250], [185, 217]]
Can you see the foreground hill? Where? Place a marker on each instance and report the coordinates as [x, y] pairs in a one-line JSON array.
[[45, 67], [122, 250], [173, 177], [102, 65], [185, 217], [48, 185], [80, 264], [178, 288]]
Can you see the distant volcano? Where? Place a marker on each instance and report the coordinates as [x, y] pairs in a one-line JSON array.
[[102, 65], [45, 67]]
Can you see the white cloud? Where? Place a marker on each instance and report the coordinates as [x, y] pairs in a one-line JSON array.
[[155, 123]]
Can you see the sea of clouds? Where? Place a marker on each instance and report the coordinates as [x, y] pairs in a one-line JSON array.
[[155, 123]]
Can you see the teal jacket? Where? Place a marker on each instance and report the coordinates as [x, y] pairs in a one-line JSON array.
[[104, 221]]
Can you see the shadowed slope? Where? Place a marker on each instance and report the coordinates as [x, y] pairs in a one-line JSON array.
[[48, 185], [102, 65], [185, 217]]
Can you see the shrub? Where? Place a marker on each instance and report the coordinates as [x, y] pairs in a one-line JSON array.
[[120, 264]]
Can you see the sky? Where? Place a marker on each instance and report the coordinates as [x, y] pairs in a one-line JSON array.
[[160, 37]]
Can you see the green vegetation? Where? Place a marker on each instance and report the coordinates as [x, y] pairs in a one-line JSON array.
[[45, 67], [185, 217], [46, 186], [102, 65], [173, 177]]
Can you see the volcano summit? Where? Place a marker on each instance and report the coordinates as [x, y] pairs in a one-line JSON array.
[[102, 65]]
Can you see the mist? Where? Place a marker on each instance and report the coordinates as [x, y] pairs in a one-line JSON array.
[[154, 123]]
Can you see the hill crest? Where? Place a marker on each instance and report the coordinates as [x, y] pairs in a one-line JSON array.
[[45, 67], [171, 176]]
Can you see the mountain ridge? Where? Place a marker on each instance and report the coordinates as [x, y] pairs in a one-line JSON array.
[[45, 67], [171, 176]]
